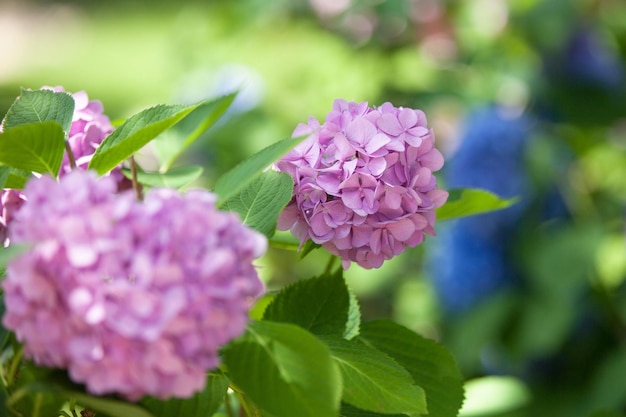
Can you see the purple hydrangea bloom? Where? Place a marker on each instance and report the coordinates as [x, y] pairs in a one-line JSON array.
[[89, 128], [364, 183], [130, 297]]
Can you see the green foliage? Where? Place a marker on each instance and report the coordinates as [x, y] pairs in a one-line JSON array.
[[34, 147], [170, 144], [40, 106], [281, 368], [136, 132], [174, 178], [430, 364], [262, 200], [467, 202], [373, 381], [204, 403], [234, 181], [320, 305]]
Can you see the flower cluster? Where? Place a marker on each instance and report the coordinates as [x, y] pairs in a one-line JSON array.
[[364, 183], [131, 297], [89, 128]]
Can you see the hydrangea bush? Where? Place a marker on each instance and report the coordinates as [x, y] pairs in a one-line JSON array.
[[144, 300]]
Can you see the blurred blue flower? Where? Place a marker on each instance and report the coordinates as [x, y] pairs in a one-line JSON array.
[[468, 260]]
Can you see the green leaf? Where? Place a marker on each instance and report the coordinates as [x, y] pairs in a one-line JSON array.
[[204, 403], [353, 325], [41, 106], [34, 394], [170, 144], [5, 171], [285, 371], [469, 201], [17, 178], [260, 203], [174, 178], [607, 389], [319, 305], [135, 132], [430, 364], [375, 382], [109, 406], [348, 410], [33, 147], [494, 395], [238, 178], [308, 247]]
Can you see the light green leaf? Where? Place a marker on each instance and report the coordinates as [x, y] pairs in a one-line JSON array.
[[285, 371], [170, 144], [17, 178], [5, 171], [35, 147], [353, 325], [319, 305], [494, 395], [430, 364], [238, 178], [261, 201], [469, 201], [41, 106], [135, 132], [174, 178], [375, 382], [204, 403]]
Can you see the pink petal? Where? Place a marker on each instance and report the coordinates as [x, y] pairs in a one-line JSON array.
[[407, 118], [402, 230], [360, 131], [389, 124]]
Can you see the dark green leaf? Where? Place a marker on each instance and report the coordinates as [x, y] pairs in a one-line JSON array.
[[318, 304], [607, 389], [174, 178], [170, 144], [348, 410], [285, 371], [135, 132], [203, 404], [261, 201], [467, 201], [430, 364], [41, 106], [373, 381], [33, 147], [109, 406], [238, 178], [34, 394]]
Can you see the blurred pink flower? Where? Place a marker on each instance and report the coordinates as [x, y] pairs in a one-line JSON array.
[[364, 183], [130, 297]]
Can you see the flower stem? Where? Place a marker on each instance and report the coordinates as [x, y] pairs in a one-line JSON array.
[[330, 264], [136, 185], [70, 154]]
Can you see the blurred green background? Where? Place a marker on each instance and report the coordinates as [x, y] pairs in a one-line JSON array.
[[544, 333]]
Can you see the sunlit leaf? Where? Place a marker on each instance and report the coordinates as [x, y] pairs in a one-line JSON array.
[[35, 147], [238, 178], [170, 144], [41, 106], [494, 395], [469, 201], [285, 371], [174, 178], [261, 201], [135, 132]]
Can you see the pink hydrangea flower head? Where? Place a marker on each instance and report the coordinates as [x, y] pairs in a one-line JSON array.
[[364, 184], [130, 297]]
